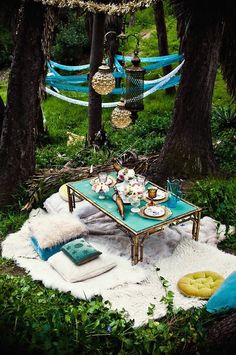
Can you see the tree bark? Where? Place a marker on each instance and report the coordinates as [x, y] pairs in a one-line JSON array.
[[188, 151], [96, 56], [18, 138], [159, 15]]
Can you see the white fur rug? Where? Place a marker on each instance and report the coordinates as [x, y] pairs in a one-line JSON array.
[[132, 288]]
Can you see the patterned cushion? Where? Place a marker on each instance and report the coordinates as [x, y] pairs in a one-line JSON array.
[[80, 251], [200, 284]]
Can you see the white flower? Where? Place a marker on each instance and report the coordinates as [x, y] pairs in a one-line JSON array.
[[100, 186], [126, 174]]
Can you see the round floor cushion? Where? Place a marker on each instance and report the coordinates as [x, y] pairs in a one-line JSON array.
[[64, 194], [200, 284]]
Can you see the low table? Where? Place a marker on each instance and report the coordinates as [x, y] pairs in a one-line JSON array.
[[138, 228]]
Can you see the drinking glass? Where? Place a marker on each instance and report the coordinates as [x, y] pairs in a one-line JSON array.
[[174, 189], [141, 179], [102, 176], [152, 192], [135, 203]]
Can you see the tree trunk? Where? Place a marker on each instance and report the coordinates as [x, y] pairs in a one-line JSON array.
[[159, 15], [96, 56], [188, 150], [17, 146]]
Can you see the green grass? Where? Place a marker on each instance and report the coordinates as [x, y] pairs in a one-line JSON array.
[[3, 90]]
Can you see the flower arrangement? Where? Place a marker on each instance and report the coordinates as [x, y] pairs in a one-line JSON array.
[[100, 186], [126, 174], [134, 189]]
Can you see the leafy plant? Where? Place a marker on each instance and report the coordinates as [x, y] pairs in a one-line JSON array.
[[224, 133], [71, 42], [41, 320], [6, 47], [217, 197]]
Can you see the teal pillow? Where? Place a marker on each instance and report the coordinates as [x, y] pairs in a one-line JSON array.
[[80, 251], [225, 296]]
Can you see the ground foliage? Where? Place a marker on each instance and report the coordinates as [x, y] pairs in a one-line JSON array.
[[40, 320]]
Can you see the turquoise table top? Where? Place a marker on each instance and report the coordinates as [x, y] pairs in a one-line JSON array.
[[133, 221]]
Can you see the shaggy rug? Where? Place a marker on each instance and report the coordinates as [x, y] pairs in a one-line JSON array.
[[132, 288]]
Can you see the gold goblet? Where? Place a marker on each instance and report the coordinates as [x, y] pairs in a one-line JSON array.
[[152, 193]]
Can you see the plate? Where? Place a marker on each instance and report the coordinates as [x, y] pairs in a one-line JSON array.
[[125, 200], [111, 181], [154, 211], [160, 195], [166, 215]]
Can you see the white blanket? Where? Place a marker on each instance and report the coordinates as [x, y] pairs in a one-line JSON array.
[[133, 288]]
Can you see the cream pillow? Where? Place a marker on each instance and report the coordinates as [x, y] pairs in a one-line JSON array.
[[74, 273], [64, 194], [50, 230]]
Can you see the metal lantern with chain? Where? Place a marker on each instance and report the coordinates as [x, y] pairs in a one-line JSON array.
[[103, 82], [135, 85], [121, 117]]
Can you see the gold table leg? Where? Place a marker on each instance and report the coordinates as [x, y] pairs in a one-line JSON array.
[[196, 225], [70, 199], [135, 249]]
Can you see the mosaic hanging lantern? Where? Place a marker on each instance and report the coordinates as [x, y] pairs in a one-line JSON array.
[[103, 82], [121, 117], [135, 85]]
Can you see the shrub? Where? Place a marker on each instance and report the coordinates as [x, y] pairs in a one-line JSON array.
[[5, 47], [71, 42], [217, 197], [224, 134]]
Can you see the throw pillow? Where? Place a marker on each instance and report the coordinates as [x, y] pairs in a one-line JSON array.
[[64, 194], [44, 254], [51, 230], [75, 273], [225, 297], [200, 284], [80, 251]]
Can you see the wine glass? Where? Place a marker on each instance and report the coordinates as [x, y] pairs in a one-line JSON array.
[[141, 180], [152, 193], [135, 203], [102, 176]]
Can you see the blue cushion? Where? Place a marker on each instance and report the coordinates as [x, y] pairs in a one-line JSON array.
[[80, 251], [225, 297], [47, 252]]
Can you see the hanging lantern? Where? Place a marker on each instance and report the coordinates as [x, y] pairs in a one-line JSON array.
[[103, 82], [135, 86], [121, 117]]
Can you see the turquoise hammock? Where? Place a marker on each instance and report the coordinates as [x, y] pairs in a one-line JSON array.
[[75, 82]]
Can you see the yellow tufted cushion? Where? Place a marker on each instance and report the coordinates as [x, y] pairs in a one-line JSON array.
[[63, 193], [200, 284]]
